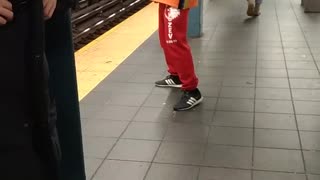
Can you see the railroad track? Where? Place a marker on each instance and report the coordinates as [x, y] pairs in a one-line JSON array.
[[94, 17]]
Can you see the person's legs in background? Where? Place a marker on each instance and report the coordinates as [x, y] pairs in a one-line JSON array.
[[254, 7]]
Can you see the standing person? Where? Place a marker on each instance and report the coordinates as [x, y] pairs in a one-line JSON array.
[[24, 130], [254, 7], [173, 22]]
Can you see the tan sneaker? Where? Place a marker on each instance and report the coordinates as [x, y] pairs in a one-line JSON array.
[[251, 8]]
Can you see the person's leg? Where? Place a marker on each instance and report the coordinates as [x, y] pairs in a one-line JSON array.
[[257, 7], [250, 9], [258, 1], [178, 54], [173, 79], [177, 49]]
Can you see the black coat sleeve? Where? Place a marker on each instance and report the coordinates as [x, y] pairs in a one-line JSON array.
[[66, 4]]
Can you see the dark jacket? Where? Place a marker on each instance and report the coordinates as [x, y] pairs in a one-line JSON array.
[[45, 116], [46, 139], [29, 144], [28, 141]]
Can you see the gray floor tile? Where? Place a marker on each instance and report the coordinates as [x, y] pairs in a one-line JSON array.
[[310, 140], [119, 77], [187, 133], [145, 78], [99, 128], [271, 64], [275, 121], [276, 139], [209, 81], [273, 93], [239, 82], [209, 91], [180, 153], [233, 119], [278, 160], [308, 123], [271, 56], [306, 94], [147, 131], [272, 83], [117, 87], [297, 50], [313, 177], [108, 112], [209, 71], [297, 73], [307, 107], [301, 65], [192, 117], [300, 57], [235, 105], [273, 50], [228, 156], [231, 136], [135, 150], [263, 175], [274, 106], [91, 165], [234, 56], [153, 114], [128, 99], [208, 104], [271, 73], [172, 172], [241, 64], [224, 174], [120, 170], [97, 147], [239, 72], [315, 50], [305, 83], [156, 67], [163, 91], [237, 92], [212, 63], [294, 44], [159, 100], [269, 44], [312, 159], [96, 98]]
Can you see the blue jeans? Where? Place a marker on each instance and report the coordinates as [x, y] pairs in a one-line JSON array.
[[258, 1]]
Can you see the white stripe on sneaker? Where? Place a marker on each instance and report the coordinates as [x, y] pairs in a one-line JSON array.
[[172, 82]]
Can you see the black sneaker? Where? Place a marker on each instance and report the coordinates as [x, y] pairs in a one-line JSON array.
[[188, 100], [170, 81]]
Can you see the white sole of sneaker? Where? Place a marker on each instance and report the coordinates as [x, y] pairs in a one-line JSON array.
[[172, 86], [196, 103]]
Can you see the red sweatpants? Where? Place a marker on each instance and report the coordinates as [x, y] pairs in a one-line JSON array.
[[173, 39]]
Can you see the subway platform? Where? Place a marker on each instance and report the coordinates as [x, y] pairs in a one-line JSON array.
[[260, 119]]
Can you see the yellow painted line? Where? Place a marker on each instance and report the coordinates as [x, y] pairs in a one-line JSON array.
[[99, 58]]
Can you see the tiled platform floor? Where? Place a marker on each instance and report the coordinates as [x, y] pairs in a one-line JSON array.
[[260, 119]]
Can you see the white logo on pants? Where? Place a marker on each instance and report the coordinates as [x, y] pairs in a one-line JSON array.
[[171, 14]]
